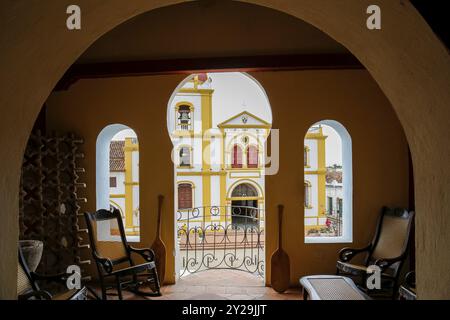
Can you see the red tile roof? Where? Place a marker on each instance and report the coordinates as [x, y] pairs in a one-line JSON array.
[[116, 156], [333, 175]]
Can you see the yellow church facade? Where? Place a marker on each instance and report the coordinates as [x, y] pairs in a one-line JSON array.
[[217, 167], [221, 167]]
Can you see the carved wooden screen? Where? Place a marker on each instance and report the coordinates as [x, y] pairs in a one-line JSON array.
[[49, 201]]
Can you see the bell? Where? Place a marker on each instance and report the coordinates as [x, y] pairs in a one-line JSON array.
[[184, 116]]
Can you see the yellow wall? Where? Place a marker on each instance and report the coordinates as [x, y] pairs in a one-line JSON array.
[[139, 103], [38, 49], [380, 168], [129, 183], [351, 97]]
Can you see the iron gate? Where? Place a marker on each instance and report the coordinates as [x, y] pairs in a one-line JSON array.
[[216, 237]]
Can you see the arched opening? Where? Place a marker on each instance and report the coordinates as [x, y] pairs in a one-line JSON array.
[[244, 190], [328, 183], [117, 180], [244, 201], [185, 156], [393, 100], [183, 113], [218, 124]]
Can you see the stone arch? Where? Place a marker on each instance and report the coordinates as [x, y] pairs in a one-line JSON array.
[[244, 190], [26, 83], [245, 181]]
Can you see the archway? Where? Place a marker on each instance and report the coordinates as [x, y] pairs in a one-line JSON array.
[[117, 179], [218, 124], [244, 202], [404, 81], [329, 181]]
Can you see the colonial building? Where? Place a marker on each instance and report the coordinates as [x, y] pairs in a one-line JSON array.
[[315, 172], [334, 191], [124, 182], [223, 166], [315, 59], [217, 167]]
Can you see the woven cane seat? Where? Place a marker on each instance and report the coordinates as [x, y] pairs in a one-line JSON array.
[[331, 288]]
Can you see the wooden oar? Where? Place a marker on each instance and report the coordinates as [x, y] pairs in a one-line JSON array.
[[158, 245], [280, 266]]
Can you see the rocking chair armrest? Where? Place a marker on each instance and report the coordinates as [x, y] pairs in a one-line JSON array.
[[40, 294], [386, 263], [346, 254], [105, 263], [410, 279], [146, 253]]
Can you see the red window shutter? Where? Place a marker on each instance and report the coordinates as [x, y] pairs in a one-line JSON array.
[[237, 157], [252, 157], [184, 196]]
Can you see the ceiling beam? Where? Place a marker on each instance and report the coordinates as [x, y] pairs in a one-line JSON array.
[[215, 64]]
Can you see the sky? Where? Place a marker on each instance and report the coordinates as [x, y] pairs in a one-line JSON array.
[[235, 92], [127, 133]]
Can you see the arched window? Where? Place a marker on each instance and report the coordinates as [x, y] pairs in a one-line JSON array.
[[244, 203], [117, 184], [308, 194], [244, 190], [185, 196], [252, 157], [328, 183], [185, 156], [306, 156], [237, 157], [184, 115]]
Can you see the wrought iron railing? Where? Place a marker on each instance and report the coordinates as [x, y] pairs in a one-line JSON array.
[[221, 237], [186, 126]]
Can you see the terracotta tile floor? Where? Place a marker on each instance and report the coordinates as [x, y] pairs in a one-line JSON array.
[[219, 285]]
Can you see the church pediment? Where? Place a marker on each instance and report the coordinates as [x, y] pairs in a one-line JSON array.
[[244, 120]]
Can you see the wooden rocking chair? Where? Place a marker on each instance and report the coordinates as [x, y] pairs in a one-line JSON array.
[[388, 250], [120, 272], [28, 288]]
